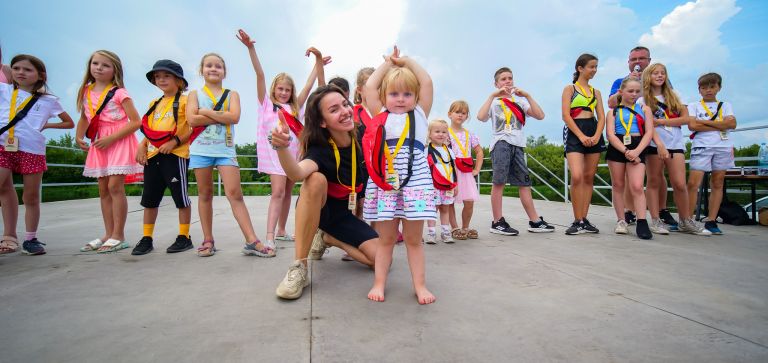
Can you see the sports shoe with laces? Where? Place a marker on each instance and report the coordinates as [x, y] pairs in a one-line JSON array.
[[588, 227], [294, 282], [540, 226], [629, 217], [575, 228], [693, 227], [658, 227], [621, 227], [143, 247], [667, 218], [502, 227], [318, 248], [32, 247], [712, 227], [431, 238], [446, 236], [181, 244]]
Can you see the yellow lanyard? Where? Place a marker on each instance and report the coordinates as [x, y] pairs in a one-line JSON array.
[[507, 111], [447, 167], [710, 114], [12, 111], [400, 141], [627, 126], [224, 106], [101, 98], [338, 164], [584, 93], [458, 142], [155, 119]]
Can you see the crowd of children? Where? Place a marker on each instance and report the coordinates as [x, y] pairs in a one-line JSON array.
[[378, 158]]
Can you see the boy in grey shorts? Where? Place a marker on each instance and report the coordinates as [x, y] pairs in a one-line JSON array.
[[507, 107], [712, 148]]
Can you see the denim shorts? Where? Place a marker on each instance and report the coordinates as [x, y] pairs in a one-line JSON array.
[[200, 161]]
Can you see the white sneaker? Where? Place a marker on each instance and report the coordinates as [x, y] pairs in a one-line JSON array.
[[621, 227], [447, 238], [693, 227], [294, 282], [318, 248], [658, 227], [431, 238]]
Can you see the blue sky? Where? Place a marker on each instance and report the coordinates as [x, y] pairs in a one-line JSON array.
[[461, 44]]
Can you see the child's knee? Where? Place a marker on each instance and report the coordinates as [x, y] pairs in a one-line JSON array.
[[577, 178], [636, 187], [31, 197], [234, 194]]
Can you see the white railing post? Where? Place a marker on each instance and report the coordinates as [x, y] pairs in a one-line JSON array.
[[218, 182]]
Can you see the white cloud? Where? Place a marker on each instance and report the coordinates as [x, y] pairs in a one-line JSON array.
[[692, 31]]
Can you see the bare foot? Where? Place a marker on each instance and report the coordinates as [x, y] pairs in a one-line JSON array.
[[376, 294], [424, 296]]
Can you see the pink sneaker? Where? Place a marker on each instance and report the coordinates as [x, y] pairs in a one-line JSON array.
[[400, 237]]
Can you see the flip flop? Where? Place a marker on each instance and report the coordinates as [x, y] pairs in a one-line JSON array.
[[92, 246], [114, 246], [206, 249]]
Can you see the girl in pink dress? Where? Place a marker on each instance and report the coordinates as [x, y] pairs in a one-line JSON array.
[[109, 119], [463, 143], [282, 97]]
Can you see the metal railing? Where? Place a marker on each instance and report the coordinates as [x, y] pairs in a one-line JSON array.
[[601, 185]]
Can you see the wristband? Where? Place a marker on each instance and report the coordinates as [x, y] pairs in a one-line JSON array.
[[178, 141]]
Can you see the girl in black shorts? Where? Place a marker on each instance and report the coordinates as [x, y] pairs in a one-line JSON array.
[[630, 130], [333, 181], [582, 108]]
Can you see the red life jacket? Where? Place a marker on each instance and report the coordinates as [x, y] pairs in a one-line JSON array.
[[438, 179], [197, 130], [374, 142], [93, 123], [158, 138], [293, 123], [516, 110], [639, 117]]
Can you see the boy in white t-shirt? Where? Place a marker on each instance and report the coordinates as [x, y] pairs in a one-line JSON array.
[[507, 107], [712, 149]]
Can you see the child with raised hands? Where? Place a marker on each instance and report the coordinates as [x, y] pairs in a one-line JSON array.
[[213, 111], [508, 107], [400, 189], [463, 143], [282, 98], [630, 130], [25, 108], [109, 119], [443, 169]]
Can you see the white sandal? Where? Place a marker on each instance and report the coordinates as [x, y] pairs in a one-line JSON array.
[[114, 245], [92, 246], [9, 244]]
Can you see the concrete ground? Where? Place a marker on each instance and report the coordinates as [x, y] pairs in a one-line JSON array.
[[531, 298]]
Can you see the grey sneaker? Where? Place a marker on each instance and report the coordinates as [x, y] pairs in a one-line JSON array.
[[294, 282], [693, 227], [658, 227], [431, 238], [621, 227], [446, 235], [318, 248]]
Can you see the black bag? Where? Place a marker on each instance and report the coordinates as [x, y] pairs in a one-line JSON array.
[[732, 213]]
